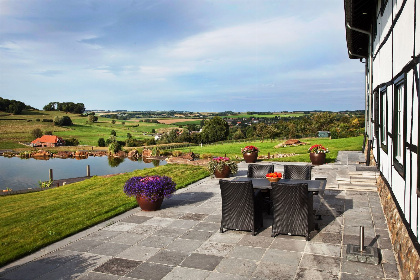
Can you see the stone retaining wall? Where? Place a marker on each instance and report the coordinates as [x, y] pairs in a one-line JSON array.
[[404, 248]]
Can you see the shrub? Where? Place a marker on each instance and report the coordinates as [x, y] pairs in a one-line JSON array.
[[101, 142], [113, 133], [71, 142], [176, 153], [36, 133]]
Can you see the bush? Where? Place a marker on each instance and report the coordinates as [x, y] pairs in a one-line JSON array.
[[71, 142], [47, 120], [206, 156], [101, 142], [36, 133], [176, 153], [63, 121], [113, 133]]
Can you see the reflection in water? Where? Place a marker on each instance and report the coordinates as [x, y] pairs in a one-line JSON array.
[[115, 161], [155, 162]]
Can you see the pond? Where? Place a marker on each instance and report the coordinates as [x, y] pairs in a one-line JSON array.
[[20, 174]]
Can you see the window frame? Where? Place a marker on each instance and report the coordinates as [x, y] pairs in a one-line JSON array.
[[399, 123], [383, 118]]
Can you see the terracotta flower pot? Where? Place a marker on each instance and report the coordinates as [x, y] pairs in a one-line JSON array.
[[317, 159], [251, 157], [222, 174], [147, 205]]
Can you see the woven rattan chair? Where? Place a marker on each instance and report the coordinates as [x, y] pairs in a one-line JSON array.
[[300, 172], [292, 209], [241, 206], [259, 170]]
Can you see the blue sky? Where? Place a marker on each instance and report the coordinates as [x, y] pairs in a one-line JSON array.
[[192, 55]]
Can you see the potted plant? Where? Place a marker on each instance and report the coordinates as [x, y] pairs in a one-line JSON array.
[[274, 176], [221, 167], [250, 154], [317, 154], [150, 190]]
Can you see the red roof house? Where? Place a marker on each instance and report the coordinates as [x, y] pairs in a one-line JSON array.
[[47, 141]]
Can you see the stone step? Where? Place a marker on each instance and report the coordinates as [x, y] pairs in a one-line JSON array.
[[357, 187], [362, 180], [364, 174]]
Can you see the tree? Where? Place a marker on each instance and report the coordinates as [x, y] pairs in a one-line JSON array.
[[113, 121], [215, 129], [92, 118], [36, 133], [63, 121], [113, 133], [238, 135], [101, 142]]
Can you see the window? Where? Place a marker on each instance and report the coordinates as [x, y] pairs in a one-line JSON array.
[[399, 123], [384, 120]]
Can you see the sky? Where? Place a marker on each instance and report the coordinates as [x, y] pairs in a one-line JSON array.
[[184, 55]]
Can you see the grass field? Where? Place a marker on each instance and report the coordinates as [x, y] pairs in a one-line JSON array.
[[280, 115], [34, 220], [17, 128], [233, 150]]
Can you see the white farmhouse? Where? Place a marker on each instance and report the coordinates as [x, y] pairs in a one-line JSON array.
[[385, 36]]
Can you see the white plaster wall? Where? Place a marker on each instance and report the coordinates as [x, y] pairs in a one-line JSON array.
[[404, 36]]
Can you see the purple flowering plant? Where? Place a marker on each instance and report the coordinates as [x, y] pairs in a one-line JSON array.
[[151, 188]]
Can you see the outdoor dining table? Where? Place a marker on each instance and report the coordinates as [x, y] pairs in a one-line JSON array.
[[314, 186]]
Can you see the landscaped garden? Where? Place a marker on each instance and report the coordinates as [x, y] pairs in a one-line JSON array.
[[33, 220]]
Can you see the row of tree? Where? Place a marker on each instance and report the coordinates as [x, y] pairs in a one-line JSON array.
[[68, 107], [13, 106], [217, 129]]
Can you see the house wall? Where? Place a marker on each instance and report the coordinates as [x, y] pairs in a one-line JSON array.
[[393, 48]]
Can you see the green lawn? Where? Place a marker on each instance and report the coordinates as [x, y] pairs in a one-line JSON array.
[[233, 150], [34, 220]]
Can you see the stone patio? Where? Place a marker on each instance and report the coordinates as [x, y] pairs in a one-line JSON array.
[[182, 241]]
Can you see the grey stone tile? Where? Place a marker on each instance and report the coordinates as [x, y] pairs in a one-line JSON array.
[[117, 266], [150, 271], [256, 241], [288, 244], [31, 270], [170, 232], [182, 273], [213, 219], [168, 257], [323, 249], [144, 230], [225, 276], [201, 261], [110, 249], [136, 219], [355, 240], [83, 245], [120, 226], [237, 266], [327, 237], [215, 248], [76, 267], [358, 268], [138, 253], [184, 245], [348, 276], [315, 274], [250, 253], [128, 238], [196, 235], [266, 270], [385, 243], [103, 235], [330, 265], [282, 257], [205, 210], [193, 216], [211, 227], [391, 270], [355, 230], [158, 221], [185, 224], [388, 256], [156, 241], [229, 237], [98, 276]]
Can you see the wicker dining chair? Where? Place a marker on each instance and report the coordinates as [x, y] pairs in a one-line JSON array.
[[259, 170], [300, 172], [241, 206], [292, 209]]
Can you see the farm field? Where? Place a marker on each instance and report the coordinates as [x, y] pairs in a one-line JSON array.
[[279, 115], [17, 128]]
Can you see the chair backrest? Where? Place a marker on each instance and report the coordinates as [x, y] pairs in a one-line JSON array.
[[237, 200], [300, 172], [290, 208], [259, 170]]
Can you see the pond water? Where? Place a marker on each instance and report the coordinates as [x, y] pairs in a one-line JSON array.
[[20, 174]]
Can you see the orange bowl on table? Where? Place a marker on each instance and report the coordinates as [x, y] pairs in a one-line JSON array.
[[273, 177]]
